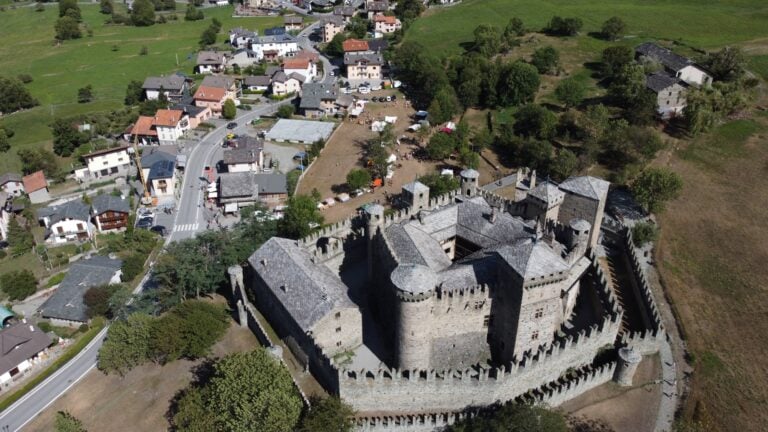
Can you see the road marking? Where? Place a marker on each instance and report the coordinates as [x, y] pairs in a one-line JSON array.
[[186, 227]]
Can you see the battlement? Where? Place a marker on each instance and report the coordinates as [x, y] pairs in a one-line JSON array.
[[604, 290], [339, 229], [468, 292]]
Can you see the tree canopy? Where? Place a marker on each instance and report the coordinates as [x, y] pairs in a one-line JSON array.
[[655, 186], [142, 13], [546, 60], [439, 184], [514, 418], [229, 110], [66, 422], [518, 83], [613, 28], [300, 213], [570, 92], [329, 414], [14, 96], [18, 284], [358, 178]]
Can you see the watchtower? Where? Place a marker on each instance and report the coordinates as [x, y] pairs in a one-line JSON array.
[[414, 286], [469, 178], [416, 195]]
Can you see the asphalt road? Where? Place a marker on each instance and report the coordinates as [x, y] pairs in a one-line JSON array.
[[188, 220]]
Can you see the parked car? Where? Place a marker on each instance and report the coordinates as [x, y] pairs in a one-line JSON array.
[[145, 222], [363, 90], [377, 87], [231, 125], [159, 229]]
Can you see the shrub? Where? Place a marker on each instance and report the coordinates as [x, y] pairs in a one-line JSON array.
[[18, 284], [644, 233], [25, 78], [286, 111], [45, 326]]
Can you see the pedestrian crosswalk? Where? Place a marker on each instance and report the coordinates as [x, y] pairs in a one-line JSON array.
[[186, 227]]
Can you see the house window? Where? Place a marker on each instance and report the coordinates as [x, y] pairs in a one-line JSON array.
[[539, 313], [535, 335], [338, 344], [113, 170], [338, 329], [106, 162], [487, 320], [79, 227], [60, 230]]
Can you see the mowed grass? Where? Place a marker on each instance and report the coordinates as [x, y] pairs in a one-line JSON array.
[[705, 24], [58, 71]]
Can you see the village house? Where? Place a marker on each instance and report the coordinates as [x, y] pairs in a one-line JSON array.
[[6, 203], [241, 38], [257, 83], [143, 131], [274, 47], [11, 184], [247, 155], [362, 67], [225, 82], [36, 187], [110, 213], [104, 163], [159, 170], [274, 31], [170, 125], [237, 190], [355, 46], [293, 22], [212, 98], [319, 99], [385, 24], [173, 86], [283, 85], [669, 91], [21, 345], [210, 62], [302, 67], [195, 113], [345, 12], [66, 306], [242, 58], [66, 222], [304, 53], [332, 26], [675, 65], [376, 8]]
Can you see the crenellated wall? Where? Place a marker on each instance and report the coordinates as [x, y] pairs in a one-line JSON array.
[[453, 390]]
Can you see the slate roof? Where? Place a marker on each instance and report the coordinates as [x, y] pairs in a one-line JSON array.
[[239, 184], [664, 56], [278, 38], [416, 187], [20, 342], [336, 20], [210, 58], [218, 81], [345, 11], [34, 182], [306, 290], [501, 183], [150, 158], [9, 177], [105, 151], [272, 183], [242, 33], [586, 186], [162, 169], [378, 6], [312, 94], [67, 302], [257, 81], [190, 109], [660, 81], [354, 58], [414, 278], [293, 19], [548, 192], [533, 259], [378, 45], [108, 202], [274, 31], [170, 82], [75, 209], [242, 155]]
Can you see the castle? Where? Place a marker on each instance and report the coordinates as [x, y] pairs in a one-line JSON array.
[[460, 300]]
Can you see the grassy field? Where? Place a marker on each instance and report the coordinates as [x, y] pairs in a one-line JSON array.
[[58, 71], [705, 24]]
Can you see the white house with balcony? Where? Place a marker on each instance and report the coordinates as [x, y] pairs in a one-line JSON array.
[[170, 125], [105, 163], [67, 222], [275, 46]]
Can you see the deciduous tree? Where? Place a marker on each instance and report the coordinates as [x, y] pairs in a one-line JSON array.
[[613, 28], [142, 13], [329, 414], [655, 186], [300, 213], [518, 84], [535, 121], [570, 92], [546, 60], [67, 28], [18, 284], [358, 178], [229, 110], [14, 96]]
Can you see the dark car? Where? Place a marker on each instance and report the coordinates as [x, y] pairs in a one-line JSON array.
[[145, 223], [231, 125], [159, 229]]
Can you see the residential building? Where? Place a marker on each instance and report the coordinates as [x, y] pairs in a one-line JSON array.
[[247, 155], [11, 184], [278, 46], [332, 26], [319, 99], [355, 46], [275, 31], [21, 346], [283, 85], [225, 82], [66, 306], [210, 62], [376, 8], [293, 22], [170, 125], [670, 93], [110, 213], [257, 83], [6, 202], [173, 86], [241, 189], [105, 163], [242, 58], [363, 66], [36, 187], [304, 53], [195, 113], [241, 38], [143, 131], [159, 169], [302, 67], [212, 98], [378, 45], [66, 222], [385, 24], [345, 12], [676, 65]]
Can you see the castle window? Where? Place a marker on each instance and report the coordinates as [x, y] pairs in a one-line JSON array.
[[338, 315], [539, 313], [479, 304], [535, 335], [338, 329], [487, 320], [338, 344]]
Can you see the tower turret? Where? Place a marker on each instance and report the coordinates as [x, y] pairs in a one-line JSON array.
[[416, 195], [469, 178], [414, 285], [375, 218], [629, 359]]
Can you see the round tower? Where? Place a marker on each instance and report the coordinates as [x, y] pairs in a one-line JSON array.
[[469, 179], [414, 286], [629, 359], [375, 218], [235, 279], [578, 236]]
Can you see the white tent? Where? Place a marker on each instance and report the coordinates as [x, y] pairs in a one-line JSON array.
[[391, 159], [378, 126], [390, 119]]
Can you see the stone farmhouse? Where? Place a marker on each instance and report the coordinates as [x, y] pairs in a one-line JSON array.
[[453, 302], [671, 82], [293, 22]]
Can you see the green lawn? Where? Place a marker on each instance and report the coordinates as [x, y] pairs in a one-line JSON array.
[[726, 141], [704, 23], [58, 71]]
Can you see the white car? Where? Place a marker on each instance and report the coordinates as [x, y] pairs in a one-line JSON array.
[[332, 73], [376, 87], [364, 90], [347, 90]]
